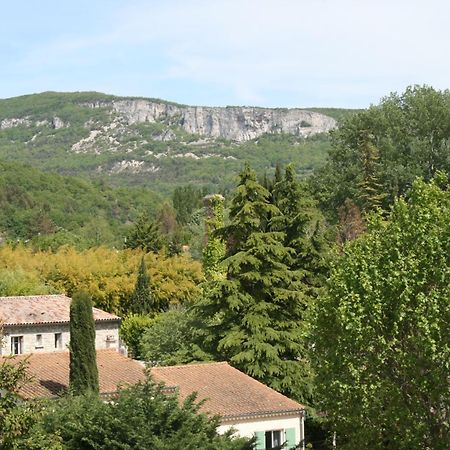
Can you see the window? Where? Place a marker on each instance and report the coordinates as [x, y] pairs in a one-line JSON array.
[[58, 340], [38, 341], [16, 345], [274, 439]]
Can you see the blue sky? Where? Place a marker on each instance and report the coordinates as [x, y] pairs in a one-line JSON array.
[[280, 53]]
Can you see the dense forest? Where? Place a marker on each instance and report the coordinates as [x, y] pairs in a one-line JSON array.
[[332, 289]]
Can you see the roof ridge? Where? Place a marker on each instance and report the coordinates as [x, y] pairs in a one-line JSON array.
[[182, 366]]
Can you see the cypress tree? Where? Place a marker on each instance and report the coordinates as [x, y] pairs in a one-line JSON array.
[[371, 195], [214, 250], [83, 375]]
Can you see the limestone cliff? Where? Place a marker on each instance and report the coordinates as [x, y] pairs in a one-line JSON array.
[[232, 123]]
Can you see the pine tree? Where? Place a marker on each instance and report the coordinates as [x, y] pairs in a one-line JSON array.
[[83, 359], [249, 212], [141, 300], [255, 316], [302, 223], [144, 234]]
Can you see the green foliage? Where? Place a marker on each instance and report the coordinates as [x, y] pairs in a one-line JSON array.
[[304, 229], [108, 275], [17, 419], [19, 282], [170, 339], [214, 250], [53, 210], [132, 330], [83, 376], [382, 335], [256, 316], [186, 199], [141, 417], [250, 210], [144, 234], [378, 152]]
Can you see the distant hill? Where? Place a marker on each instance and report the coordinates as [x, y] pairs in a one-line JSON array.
[[158, 144], [49, 208]]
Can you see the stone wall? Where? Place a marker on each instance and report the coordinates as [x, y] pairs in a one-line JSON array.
[[107, 336]]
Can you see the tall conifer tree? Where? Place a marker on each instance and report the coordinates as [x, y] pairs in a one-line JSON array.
[[249, 211], [141, 300], [83, 375], [254, 317], [302, 223]]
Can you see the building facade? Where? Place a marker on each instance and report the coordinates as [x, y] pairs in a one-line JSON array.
[[40, 324]]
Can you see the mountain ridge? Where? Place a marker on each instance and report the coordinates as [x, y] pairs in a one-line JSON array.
[[139, 141]]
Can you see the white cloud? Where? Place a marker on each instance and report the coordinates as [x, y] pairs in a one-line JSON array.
[[252, 49]]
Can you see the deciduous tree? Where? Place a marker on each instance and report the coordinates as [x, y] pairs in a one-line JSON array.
[[377, 153], [382, 334]]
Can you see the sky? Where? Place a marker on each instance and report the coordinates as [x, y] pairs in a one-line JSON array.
[[273, 53]]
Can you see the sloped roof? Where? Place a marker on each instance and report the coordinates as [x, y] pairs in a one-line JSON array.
[[50, 372], [40, 309], [227, 391]]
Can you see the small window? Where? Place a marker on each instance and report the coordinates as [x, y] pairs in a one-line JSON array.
[[58, 340], [16, 345], [274, 439], [38, 341]]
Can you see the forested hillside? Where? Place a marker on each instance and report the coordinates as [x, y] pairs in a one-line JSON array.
[[157, 144], [51, 209]]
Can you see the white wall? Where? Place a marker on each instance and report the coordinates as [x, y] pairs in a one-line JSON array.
[[106, 336], [247, 428]]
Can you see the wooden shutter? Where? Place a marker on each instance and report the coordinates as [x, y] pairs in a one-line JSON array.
[[290, 438], [260, 440]]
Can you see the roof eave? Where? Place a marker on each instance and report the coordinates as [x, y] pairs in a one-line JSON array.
[[261, 415], [28, 324]]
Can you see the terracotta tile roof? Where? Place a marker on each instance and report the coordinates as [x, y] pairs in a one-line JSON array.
[[50, 372], [38, 309], [228, 391]]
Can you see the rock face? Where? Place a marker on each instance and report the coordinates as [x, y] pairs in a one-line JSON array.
[[232, 123]]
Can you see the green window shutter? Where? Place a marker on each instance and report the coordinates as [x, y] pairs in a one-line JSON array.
[[290, 437], [260, 440]]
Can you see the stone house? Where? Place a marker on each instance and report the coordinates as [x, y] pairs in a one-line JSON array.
[[40, 324], [36, 328]]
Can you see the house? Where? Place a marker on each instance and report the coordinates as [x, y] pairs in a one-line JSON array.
[[36, 328], [244, 404], [40, 324]]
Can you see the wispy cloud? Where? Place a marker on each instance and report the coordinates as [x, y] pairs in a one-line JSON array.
[[341, 52]]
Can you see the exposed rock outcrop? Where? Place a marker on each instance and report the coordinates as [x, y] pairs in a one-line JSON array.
[[231, 123]]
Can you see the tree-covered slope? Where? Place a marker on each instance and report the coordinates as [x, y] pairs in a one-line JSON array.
[[34, 203], [136, 141]]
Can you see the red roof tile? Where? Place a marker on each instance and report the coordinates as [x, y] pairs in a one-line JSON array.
[[39, 309], [50, 372], [228, 391]]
